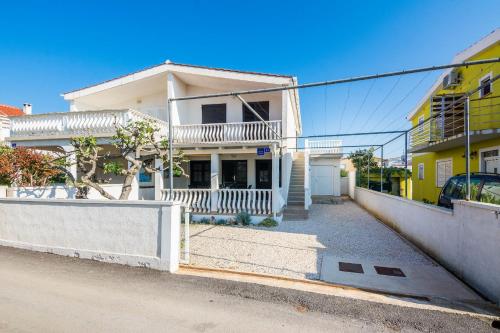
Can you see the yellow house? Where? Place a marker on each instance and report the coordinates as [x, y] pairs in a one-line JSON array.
[[437, 139]]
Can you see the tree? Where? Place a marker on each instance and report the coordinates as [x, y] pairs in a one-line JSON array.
[[361, 158], [138, 144], [28, 167]]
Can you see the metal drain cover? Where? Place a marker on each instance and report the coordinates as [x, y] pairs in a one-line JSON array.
[[390, 271], [350, 267]]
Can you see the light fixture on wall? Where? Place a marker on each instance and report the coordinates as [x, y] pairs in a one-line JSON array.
[[139, 101], [473, 154]]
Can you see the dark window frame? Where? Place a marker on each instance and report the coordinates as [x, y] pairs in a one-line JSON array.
[[214, 113], [262, 108], [205, 174]]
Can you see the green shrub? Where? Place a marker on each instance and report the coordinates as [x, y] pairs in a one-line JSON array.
[[204, 220], [268, 222], [243, 218], [221, 222]]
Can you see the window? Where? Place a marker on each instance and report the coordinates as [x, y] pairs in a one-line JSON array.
[[421, 124], [443, 171], [490, 161], [421, 171], [490, 192], [262, 109], [213, 113], [485, 83], [199, 174]]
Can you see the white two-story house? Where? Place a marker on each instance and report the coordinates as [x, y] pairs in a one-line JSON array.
[[236, 162]]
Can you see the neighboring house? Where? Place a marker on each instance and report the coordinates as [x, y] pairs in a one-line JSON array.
[[437, 139], [235, 163], [7, 111]]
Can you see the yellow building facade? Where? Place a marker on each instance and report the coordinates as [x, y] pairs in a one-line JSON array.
[[437, 140]]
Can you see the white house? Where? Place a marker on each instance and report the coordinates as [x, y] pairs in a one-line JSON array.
[[235, 161]]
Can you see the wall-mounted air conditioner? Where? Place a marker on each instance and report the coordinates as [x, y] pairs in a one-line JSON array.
[[451, 80]]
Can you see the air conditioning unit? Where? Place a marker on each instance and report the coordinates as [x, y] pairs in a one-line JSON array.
[[451, 80]]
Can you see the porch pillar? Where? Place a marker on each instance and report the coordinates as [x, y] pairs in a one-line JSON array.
[[214, 181], [72, 160], [275, 180], [158, 176]]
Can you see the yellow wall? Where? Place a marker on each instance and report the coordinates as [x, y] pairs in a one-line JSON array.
[[426, 188], [470, 81]]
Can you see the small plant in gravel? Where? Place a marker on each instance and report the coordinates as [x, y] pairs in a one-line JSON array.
[[221, 222], [268, 222], [243, 218], [204, 220]]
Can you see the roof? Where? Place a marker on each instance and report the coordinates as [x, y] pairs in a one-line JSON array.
[[9, 111], [482, 44], [169, 63]]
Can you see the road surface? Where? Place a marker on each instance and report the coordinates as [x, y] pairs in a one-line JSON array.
[[48, 293]]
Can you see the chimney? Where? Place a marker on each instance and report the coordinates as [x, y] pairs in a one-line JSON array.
[[27, 108]]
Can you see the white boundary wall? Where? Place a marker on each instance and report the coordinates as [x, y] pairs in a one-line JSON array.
[[62, 191], [466, 239], [135, 233]]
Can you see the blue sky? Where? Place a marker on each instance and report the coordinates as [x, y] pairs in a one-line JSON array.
[[47, 48]]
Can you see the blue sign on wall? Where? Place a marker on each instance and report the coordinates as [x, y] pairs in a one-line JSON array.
[[261, 151]]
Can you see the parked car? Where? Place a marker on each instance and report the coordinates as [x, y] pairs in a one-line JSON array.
[[485, 187]]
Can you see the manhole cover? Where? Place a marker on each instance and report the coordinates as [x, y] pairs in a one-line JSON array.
[[391, 271], [350, 267]]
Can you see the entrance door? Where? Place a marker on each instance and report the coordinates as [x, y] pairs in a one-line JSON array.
[[263, 174], [234, 174], [322, 180]]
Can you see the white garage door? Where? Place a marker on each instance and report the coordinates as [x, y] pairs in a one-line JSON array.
[[322, 179]]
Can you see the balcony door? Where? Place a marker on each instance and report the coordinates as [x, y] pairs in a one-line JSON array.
[[262, 109], [263, 174], [199, 174], [234, 174]]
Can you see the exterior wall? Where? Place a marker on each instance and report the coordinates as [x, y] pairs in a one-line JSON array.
[[335, 162], [134, 233], [426, 188], [465, 240], [183, 182], [470, 81]]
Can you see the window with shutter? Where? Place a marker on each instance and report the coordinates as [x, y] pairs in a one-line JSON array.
[[443, 172], [421, 171]]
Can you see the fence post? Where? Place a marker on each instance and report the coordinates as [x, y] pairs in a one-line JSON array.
[[467, 148], [381, 167], [170, 236], [406, 164]]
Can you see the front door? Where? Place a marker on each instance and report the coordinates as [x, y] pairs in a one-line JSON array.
[[263, 174]]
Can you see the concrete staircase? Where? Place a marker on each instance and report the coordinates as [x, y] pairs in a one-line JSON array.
[[296, 196]]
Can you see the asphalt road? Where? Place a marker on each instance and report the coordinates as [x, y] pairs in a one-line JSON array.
[[48, 293]]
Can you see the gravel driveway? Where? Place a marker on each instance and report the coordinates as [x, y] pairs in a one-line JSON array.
[[296, 248]]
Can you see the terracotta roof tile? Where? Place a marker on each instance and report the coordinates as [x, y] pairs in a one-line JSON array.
[[10, 111]]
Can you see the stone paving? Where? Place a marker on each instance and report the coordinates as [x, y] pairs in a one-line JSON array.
[[297, 248]]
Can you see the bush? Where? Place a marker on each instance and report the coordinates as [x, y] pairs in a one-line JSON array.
[[221, 222], [268, 222], [243, 218], [205, 220]]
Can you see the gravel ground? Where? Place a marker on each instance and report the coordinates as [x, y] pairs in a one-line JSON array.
[[296, 248]]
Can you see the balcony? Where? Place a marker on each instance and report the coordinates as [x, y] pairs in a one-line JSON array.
[[100, 123], [320, 147], [241, 132], [446, 128]]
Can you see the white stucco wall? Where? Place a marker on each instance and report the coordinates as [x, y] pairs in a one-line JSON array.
[[136, 233], [466, 239]]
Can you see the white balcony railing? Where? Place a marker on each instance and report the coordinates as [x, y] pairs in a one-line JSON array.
[[199, 200], [229, 201], [227, 132], [323, 146], [102, 122]]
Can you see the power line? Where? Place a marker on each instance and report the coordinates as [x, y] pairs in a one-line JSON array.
[[339, 81], [381, 102], [363, 103]]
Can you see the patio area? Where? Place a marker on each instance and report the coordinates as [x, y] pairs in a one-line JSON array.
[[313, 248]]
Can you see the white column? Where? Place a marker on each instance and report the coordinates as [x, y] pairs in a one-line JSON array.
[[72, 160], [170, 237], [214, 180], [158, 177], [275, 180]]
